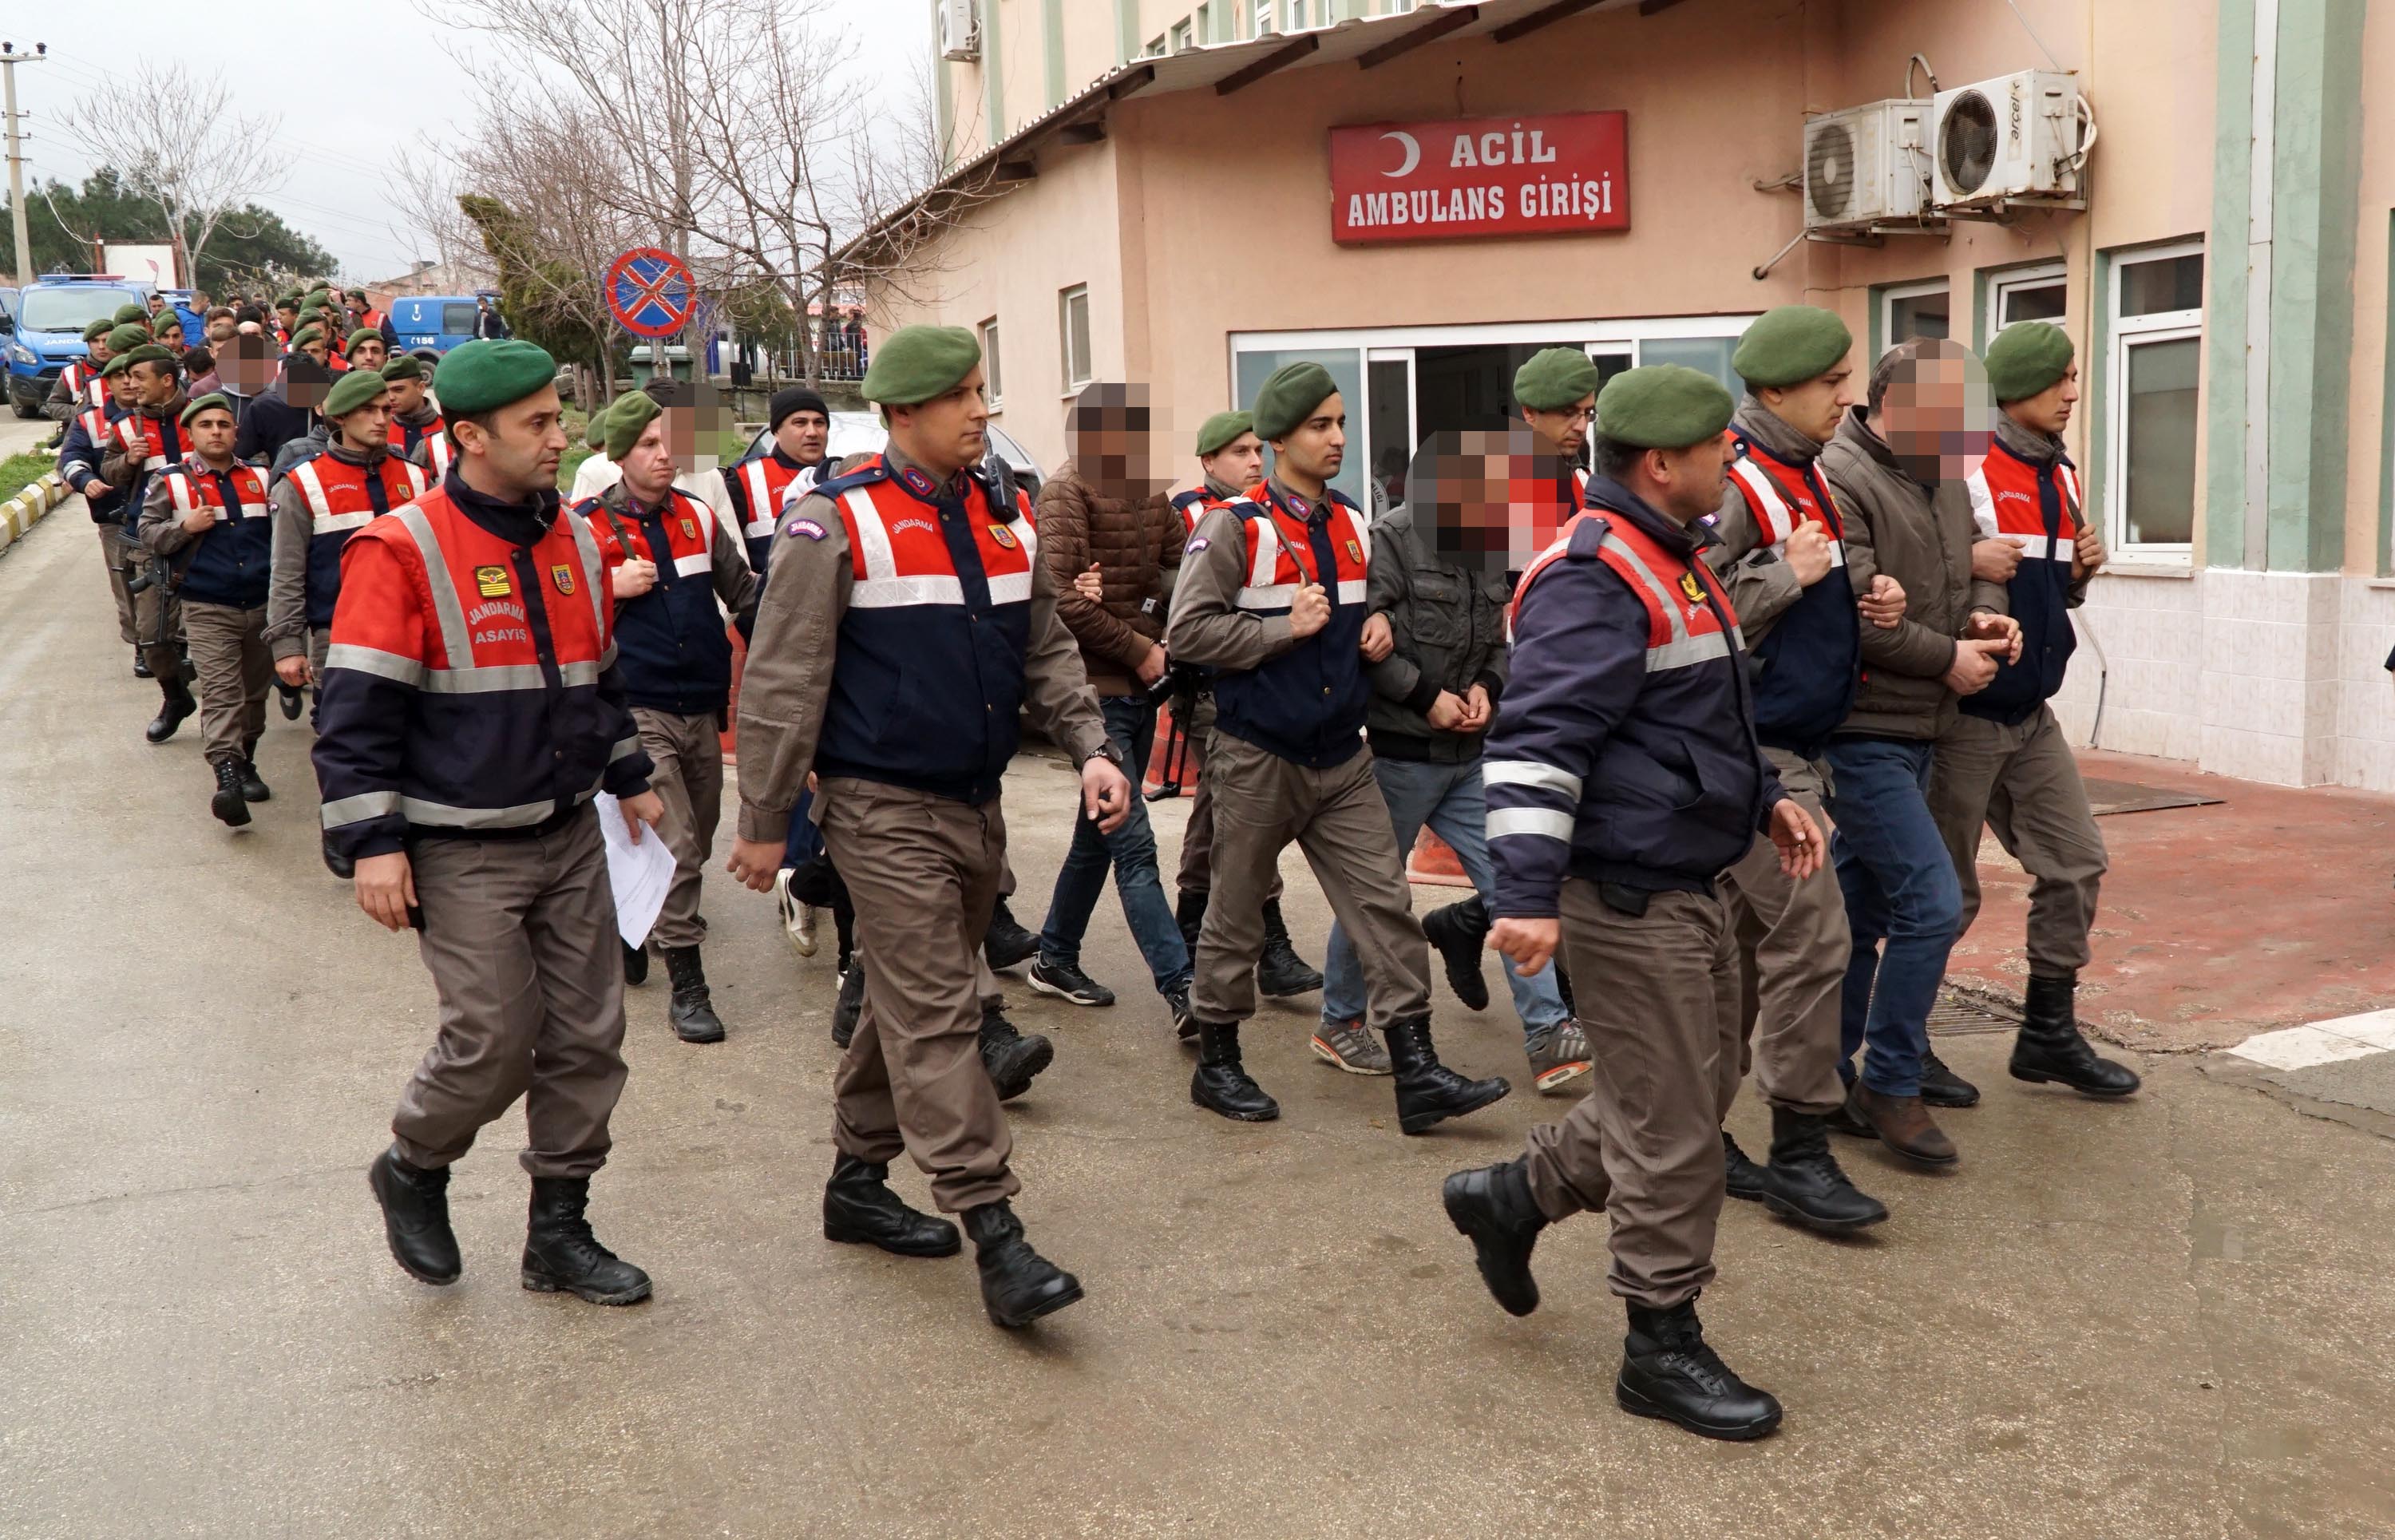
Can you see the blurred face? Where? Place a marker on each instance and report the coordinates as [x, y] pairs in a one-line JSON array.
[[1937, 413], [406, 395], [305, 381], [100, 354], [1238, 464], [1567, 429], [368, 352], [220, 331], [155, 383], [515, 456], [1816, 407], [1109, 437], [288, 315], [1316, 447], [948, 433], [2048, 412], [369, 426], [649, 464], [212, 436], [803, 436], [244, 363], [1485, 502]]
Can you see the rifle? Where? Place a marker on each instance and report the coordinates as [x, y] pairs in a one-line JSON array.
[[1178, 692]]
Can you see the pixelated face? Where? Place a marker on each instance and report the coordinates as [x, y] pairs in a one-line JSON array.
[[697, 419], [245, 363], [305, 380], [1484, 500], [1111, 436], [1936, 412]]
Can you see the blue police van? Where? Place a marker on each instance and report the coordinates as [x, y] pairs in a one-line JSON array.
[[435, 321], [44, 334]]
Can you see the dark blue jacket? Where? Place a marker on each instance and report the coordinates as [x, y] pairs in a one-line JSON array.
[[671, 651], [1616, 760], [1805, 646], [230, 562], [2041, 595], [79, 468]]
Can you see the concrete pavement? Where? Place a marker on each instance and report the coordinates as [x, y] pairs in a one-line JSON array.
[[2162, 1318]]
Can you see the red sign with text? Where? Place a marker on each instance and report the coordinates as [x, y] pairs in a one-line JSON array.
[[1458, 178]]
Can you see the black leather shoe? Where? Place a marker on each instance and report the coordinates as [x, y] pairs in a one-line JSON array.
[[1669, 1372], [176, 705], [291, 700], [1456, 933], [859, 1208], [229, 806], [141, 665], [636, 963], [1428, 1092], [252, 787], [691, 1010], [1491, 1207], [2050, 1046], [1221, 1083], [850, 1005], [1942, 1087], [1740, 1176], [1279, 971], [562, 1255], [337, 864], [1011, 1057], [1005, 943], [1018, 1285], [415, 1217], [1804, 1183]]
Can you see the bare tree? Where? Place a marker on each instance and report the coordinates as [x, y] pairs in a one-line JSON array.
[[180, 144]]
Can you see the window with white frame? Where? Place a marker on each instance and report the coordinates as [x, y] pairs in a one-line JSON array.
[[1155, 48], [1265, 21], [1180, 43], [1073, 335], [2039, 293], [992, 377], [1907, 310], [2151, 368]]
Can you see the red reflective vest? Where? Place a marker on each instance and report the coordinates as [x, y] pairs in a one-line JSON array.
[[232, 560], [763, 482], [1308, 704], [1682, 629], [1199, 501], [343, 498], [1784, 495]]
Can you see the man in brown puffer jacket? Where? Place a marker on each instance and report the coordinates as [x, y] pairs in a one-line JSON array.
[[1105, 512]]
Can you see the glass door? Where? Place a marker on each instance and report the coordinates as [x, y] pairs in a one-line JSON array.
[[1388, 440]]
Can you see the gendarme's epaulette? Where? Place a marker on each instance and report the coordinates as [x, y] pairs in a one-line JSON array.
[[1589, 532], [875, 469]]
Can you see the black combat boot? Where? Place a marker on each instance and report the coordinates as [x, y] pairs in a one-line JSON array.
[[415, 1217], [1189, 913], [1279, 971], [1941, 1088], [1456, 933], [1669, 1372], [1005, 943], [561, 1254], [1011, 1057], [1740, 1176], [1221, 1083], [141, 665], [849, 1007], [253, 785], [2050, 1048], [176, 705], [636, 963], [1428, 1092], [337, 864], [1018, 1285], [1803, 1182], [691, 1010], [229, 805], [1493, 1209], [859, 1207]]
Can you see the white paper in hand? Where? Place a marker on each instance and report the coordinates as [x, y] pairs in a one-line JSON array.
[[640, 874]]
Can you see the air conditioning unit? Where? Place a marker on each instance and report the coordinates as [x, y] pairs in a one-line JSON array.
[[961, 29], [1866, 165], [2021, 138]]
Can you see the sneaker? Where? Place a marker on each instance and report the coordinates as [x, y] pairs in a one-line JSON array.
[[1558, 1055], [1346, 1045], [797, 919], [1069, 983], [1185, 1021], [292, 703]]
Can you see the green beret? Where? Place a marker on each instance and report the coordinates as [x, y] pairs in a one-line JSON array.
[[97, 330], [316, 300], [1219, 430], [115, 366], [627, 420], [360, 335], [484, 374], [127, 339], [405, 366], [2025, 358], [213, 402], [131, 316], [305, 335], [1554, 378], [919, 363], [1790, 345], [1662, 407], [354, 389], [594, 433], [289, 302], [1288, 395]]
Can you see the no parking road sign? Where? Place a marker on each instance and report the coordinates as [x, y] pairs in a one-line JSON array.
[[650, 292]]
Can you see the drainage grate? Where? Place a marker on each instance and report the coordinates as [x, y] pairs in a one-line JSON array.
[[1964, 1008]]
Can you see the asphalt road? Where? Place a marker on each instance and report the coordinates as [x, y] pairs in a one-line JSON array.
[[2162, 1317]]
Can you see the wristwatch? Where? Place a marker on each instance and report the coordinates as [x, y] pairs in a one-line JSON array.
[[1112, 755]]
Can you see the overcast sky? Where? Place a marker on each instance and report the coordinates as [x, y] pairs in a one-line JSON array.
[[381, 75]]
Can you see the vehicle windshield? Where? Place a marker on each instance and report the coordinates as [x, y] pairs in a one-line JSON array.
[[70, 309]]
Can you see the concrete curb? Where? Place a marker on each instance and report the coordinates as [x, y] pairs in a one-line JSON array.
[[20, 512]]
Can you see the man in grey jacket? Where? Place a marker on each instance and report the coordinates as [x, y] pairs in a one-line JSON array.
[[1897, 466]]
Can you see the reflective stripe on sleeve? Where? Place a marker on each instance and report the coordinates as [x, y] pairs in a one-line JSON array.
[[1545, 822], [1529, 773], [374, 660]]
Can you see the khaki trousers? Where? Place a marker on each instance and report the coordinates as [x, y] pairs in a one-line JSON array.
[[236, 669], [1792, 946], [112, 551], [924, 873], [520, 936], [1197, 839], [1338, 819], [688, 751], [1657, 996], [2022, 782]]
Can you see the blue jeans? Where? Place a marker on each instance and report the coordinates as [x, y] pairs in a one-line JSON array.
[[1448, 797], [1899, 884], [1131, 851]]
